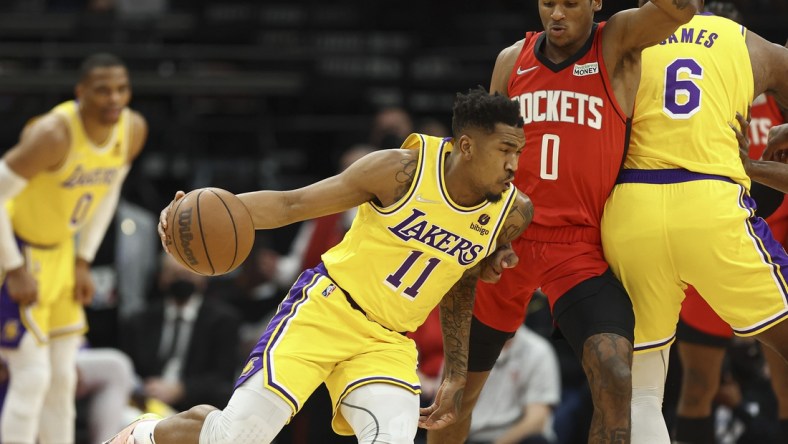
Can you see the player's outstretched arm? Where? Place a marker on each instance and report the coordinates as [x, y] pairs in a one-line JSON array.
[[377, 176], [636, 29], [382, 176]]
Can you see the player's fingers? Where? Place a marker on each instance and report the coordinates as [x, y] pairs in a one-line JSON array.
[[427, 411], [743, 121], [439, 420], [511, 260]]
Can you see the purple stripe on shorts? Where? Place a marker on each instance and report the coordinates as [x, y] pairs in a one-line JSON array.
[[663, 177], [381, 379], [286, 311], [11, 327], [654, 345], [773, 254]]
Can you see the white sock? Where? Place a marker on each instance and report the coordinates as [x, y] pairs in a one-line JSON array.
[[143, 432]]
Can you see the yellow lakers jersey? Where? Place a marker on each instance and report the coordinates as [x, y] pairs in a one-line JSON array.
[[55, 204], [397, 262], [691, 86]]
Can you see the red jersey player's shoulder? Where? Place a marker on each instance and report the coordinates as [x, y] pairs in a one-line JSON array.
[[504, 65]]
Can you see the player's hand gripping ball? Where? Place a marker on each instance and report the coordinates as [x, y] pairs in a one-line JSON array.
[[211, 231]]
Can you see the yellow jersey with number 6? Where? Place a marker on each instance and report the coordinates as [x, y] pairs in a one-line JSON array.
[[55, 204], [690, 89]]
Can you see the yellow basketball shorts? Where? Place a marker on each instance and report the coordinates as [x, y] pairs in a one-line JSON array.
[[665, 229], [56, 313], [316, 336]]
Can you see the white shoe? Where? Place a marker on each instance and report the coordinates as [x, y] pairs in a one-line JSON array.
[[124, 436]]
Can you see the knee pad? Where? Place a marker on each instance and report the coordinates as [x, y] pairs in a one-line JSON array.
[[382, 413], [254, 415], [32, 382]]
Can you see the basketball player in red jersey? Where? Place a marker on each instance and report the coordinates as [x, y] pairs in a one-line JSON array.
[[576, 84]]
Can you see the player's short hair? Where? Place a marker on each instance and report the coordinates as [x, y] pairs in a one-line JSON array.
[[99, 60], [482, 110]]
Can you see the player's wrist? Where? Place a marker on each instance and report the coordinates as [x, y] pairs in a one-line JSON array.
[[83, 262]]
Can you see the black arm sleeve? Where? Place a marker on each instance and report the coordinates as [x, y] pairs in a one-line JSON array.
[[768, 199]]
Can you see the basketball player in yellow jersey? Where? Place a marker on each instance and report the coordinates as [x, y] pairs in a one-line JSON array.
[[62, 179], [681, 213], [429, 214]]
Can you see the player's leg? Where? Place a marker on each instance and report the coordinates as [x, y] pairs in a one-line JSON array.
[[254, 415], [701, 366], [597, 320], [485, 344], [643, 261], [382, 413], [107, 375], [59, 412], [778, 370], [649, 370], [702, 340], [24, 342], [29, 376]]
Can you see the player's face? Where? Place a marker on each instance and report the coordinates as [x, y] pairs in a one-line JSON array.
[[567, 23], [104, 93], [496, 156]]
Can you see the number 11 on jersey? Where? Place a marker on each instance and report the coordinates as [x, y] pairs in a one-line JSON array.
[[394, 280]]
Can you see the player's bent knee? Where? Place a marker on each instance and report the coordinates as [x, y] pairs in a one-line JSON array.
[[382, 414], [32, 384], [254, 415]]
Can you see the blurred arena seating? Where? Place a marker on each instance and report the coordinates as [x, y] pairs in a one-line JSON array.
[[265, 91]]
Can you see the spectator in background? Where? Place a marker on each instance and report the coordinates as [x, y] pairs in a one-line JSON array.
[[184, 346], [105, 381], [122, 271], [390, 128], [516, 404]]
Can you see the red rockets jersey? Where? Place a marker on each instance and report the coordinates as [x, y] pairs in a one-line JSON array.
[[575, 136], [765, 114]]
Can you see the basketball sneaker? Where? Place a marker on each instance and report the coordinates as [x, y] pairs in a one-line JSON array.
[[124, 436]]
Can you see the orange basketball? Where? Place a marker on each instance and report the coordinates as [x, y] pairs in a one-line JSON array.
[[210, 231]]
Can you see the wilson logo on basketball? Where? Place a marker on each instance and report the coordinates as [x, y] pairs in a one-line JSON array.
[[185, 231]]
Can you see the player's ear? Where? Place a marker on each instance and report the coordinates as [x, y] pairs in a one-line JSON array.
[[79, 90], [596, 5], [464, 144]]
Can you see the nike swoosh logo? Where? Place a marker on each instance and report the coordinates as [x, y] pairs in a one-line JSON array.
[[521, 71], [423, 200]]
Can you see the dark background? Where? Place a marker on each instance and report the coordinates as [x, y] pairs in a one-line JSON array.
[[264, 94]]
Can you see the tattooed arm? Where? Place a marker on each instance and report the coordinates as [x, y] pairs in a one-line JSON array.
[[456, 311], [519, 218], [382, 176]]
